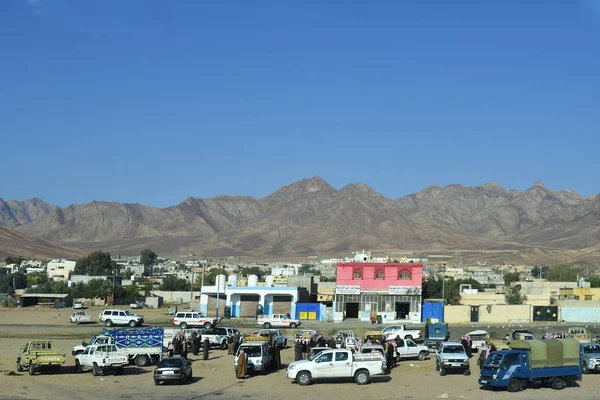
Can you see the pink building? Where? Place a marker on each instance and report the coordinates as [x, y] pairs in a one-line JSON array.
[[389, 290]]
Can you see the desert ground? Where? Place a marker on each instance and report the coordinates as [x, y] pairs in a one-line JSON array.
[[215, 378]]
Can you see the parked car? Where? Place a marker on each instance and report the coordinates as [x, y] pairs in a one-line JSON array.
[[120, 317], [478, 339], [78, 305], [173, 369], [80, 317], [137, 305], [216, 336], [590, 357], [409, 349], [334, 363], [39, 355], [451, 356], [579, 333], [307, 333], [101, 359], [400, 330], [279, 338], [277, 321], [261, 357], [191, 318], [513, 334]]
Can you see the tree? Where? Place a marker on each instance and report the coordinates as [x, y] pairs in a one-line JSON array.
[[515, 297], [97, 263], [14, 260], [433, 288], [594, 282], [210, 278], [562, 273], [148, 258], [172, 283], [36, 278], [539, 272], [510, 277]]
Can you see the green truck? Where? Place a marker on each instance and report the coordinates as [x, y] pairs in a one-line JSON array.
[[39, 355]]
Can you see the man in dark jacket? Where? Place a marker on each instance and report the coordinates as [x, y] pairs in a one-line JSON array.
[[206, 346], [196, 338]]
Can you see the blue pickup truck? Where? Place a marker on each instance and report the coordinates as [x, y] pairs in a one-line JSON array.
[[554, 362]]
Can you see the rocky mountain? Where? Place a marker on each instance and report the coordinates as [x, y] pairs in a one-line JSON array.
[[311, 217], [17, 244], [15, 213]]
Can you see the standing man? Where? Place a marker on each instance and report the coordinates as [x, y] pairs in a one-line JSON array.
[[196, 341], [304, 348], [206, 346], [236, 342], [297, 351], [229, 344], [240, 372]]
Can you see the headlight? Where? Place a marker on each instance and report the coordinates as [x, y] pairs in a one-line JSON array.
[[495, 377], [291, 366]]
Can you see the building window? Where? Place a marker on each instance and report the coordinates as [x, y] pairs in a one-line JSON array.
[[404, 274], [379, 274], [357, 274]]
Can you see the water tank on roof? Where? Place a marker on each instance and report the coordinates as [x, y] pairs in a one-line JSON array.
[[220, 282], [232, 280], [269, 280], [361, 257], [252, 281]]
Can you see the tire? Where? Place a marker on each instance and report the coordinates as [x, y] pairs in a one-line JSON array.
[[303, 378], [437, 367], [78, 367], [293, 325], [408, 337], [584, 368], [558, 384], [207, 325], [362, 377], [108, 323], [442, 371], [132, 323], [267, 325], [96, 370], [142, 361], [19, 367], [32, 369], [514, 385], [422, 356], [224, 345], [183, 325]]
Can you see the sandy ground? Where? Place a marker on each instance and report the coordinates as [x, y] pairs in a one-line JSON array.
[[215, 378]]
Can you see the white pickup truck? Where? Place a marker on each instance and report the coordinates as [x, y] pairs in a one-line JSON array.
[[392, 331], [277, 321], [409, 349], [335, 363], [101, 358]]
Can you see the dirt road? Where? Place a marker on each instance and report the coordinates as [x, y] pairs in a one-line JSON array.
[[215, 378]]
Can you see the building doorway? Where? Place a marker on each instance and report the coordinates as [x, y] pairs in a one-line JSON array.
[[402, 310], [352, 310], [474, 313]]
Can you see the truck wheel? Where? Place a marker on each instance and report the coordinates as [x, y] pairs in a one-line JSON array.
[[224, 345], [293, 325], [183, 325], [584, 368], [558, 384], [422, 355], [132, 323], [19, 367], [78, 367], [514, 385], [96, 370], [408, 337], [362, 377], [108, 323], [141, 361], [32, 369], [267, 325], [207, 325], [442, 371], [303, 378]]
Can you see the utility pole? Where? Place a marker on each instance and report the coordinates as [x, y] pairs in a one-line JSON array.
[[114, 279], [192, 284]]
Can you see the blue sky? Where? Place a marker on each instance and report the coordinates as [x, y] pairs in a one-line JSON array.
[[155, 101]]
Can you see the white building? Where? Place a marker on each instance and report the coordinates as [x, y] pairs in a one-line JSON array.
[[284, 271], [59, 270]]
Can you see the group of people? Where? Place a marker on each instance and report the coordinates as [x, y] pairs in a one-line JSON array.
[[485, 351], [180, 345], [466, 341]]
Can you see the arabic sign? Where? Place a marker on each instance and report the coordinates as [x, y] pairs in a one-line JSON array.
[[414, 290], [347, 289]]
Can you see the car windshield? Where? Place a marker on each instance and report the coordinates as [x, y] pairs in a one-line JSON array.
[[591, 349], [252, 351], [453, 349], [128, 313], [493, 360], [170, 363]]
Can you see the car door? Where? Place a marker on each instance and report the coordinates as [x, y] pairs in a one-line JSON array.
[[410, 348], [342, 364], [86, 357], [401, 348], [323, 366]]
